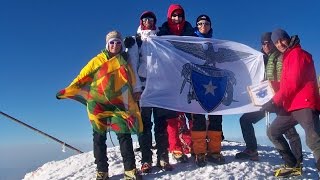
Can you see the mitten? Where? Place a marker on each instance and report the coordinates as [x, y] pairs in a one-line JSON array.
[[129, 42]]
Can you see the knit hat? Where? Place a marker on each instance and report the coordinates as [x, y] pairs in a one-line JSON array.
[[266, 37], [113, 35], [279, 34], [203, 17], [148, 14]]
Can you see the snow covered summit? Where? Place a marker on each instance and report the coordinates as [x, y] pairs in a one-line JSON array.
[[82, 166]]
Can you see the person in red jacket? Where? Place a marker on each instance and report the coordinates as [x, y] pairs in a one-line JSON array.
[[298, 95], [273, 64], [176, 24]]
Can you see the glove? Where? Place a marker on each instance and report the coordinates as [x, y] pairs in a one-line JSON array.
[[269, 106], [129, 42]]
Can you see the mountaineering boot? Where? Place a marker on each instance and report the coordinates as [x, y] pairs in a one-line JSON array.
[[287, 171], [146, 167], [180, 157], [102, 175], [216, 158], [214, 141], [199, 142], [163, 163], [201, 160], [214, 147], [132, 175], [248, 154], [199, 139]]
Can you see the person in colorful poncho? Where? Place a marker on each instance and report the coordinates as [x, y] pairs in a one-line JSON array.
[[104, 85]]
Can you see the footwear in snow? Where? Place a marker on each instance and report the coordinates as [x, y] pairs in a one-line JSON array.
[[164, 165], [102, 175], [180, 157], [248, 154], [132, 175], [201, 160], [146, 167], [287, 171], [216, 158]]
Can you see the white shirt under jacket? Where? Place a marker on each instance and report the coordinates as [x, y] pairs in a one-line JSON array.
[[138, 58]]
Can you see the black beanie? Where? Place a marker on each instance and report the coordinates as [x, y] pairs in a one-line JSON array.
[[266, 37], [203, 17]]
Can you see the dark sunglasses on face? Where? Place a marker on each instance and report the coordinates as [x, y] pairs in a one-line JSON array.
[[147, 19], [115, 42], [203, 23], [266, 43], [175, 15]]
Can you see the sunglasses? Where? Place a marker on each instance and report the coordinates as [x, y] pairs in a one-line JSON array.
[[115, 42], [175, 15], [148, 19], [266, 43], [203, 23]]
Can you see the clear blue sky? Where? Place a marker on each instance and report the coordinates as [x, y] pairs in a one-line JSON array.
[[44, 44]]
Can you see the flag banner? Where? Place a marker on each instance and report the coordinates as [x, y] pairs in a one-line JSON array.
[[200, 75], [106, 91], [261, 93]]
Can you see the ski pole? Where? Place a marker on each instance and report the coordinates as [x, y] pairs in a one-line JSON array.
[[41, 132]]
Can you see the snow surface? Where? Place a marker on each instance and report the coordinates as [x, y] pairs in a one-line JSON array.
[[82, 166]]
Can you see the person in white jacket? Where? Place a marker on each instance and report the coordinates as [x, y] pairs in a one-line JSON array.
[[136, 49]]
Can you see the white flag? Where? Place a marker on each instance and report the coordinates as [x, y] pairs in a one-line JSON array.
[[200, 75]]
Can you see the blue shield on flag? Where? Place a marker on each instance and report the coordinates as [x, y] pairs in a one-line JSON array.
[[208, 88]]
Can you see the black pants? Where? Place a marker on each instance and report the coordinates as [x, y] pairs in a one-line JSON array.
[[100, 151], [160, 130], [309, 121], [246, 122], [145, 138], [199, 122]]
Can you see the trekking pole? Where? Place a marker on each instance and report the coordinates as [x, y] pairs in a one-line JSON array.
[[267, 119], [43, 133]]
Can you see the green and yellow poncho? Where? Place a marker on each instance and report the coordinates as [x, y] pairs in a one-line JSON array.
[[105, 87]]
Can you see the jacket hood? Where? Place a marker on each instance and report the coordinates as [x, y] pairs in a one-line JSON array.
[[176, 29], [174, 7]]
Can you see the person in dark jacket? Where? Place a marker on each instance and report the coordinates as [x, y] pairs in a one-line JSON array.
[[299, 96], [175, 25], [206, 142], [273, 74]]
